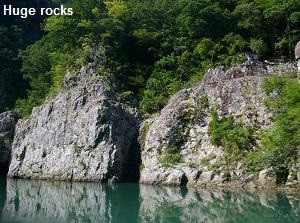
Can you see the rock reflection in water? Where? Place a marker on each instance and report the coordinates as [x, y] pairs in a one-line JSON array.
[[40, 201], [171, 205]]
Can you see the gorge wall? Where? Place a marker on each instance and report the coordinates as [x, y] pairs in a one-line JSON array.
[[83, 134], [86, 134], [177, 147], [7, 128]]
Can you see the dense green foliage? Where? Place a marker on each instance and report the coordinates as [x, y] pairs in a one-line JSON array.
[[235, 138], [9, 64], [169, 157], [155, 47], [281, 145], [15, 34]]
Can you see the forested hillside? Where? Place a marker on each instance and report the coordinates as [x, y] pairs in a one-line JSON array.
[[237, 120], [15, 35], [152, 48]]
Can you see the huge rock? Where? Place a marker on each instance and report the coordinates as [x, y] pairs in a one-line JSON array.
[[7, 128], [176, 145], [84, 134]]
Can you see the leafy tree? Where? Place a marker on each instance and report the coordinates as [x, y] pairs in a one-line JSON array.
[[154, 48], [15, 34], [235, 138], [281, 143]]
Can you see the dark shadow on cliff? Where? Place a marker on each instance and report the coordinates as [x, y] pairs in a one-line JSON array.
[[131, 172]]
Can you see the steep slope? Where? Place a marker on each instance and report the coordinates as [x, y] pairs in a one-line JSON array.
[[177, 145], [84, 134], [7, 128]]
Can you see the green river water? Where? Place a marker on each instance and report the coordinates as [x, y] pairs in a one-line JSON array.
[[41, 201]]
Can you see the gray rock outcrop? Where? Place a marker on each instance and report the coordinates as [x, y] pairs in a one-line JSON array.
[[297, 51], [83, 134], [297, 56], [7, 128], [176, 145]]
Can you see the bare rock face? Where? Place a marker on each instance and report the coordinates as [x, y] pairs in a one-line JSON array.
[[84, 134], [176, 145], [297, 51], [297, 56], [7, 128]]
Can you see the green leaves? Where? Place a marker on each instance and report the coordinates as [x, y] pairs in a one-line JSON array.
[[280, 145], [258, 46], [116, 8], [236, 138], [154, 48]]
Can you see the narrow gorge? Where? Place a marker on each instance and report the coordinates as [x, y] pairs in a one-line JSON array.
[[86, 134]]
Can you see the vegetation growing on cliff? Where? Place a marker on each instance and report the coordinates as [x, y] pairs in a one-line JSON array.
[[169, 157], [154, 48], [236, 138], [280, 145]]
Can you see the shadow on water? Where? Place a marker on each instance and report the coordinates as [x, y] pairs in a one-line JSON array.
[[40, 201], [2, 194]]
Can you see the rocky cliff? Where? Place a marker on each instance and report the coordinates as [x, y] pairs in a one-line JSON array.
[[83, 134], [176, 145], [7, 128]]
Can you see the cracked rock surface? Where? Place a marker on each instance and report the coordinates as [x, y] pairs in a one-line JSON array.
[[183, 126], [83, 134], [7, 128]]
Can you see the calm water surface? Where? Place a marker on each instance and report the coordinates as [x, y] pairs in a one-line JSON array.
[[38, 201]]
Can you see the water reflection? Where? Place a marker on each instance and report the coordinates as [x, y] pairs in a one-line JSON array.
[[40, 201], [169, 205]]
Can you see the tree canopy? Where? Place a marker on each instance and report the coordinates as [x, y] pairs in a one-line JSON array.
[[152, 48]]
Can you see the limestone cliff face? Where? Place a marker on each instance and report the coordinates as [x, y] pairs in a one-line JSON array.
[[184, 124], [7, 127], [84, 134]]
